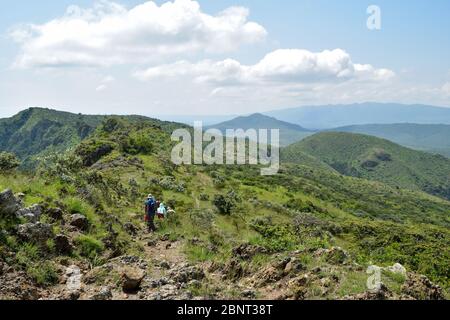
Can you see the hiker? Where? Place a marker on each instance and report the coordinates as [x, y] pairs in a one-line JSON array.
[[162, 211], [150, 211]]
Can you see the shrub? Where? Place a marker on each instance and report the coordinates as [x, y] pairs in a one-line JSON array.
[[137, 143], [8, 161], [43, 273], [89, 246], [226, 203]]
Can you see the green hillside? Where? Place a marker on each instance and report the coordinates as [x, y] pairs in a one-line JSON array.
[[376, 159], [41, 131], [234, 234], [433, 138], [289, 133], [38, 132]]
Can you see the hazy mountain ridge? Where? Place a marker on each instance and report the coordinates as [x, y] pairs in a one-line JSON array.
[[289, 132], [333, 116]]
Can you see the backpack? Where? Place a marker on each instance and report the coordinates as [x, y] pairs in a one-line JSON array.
[[150, 206]]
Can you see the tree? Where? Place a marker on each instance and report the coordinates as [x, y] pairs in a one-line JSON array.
[[8, 161]]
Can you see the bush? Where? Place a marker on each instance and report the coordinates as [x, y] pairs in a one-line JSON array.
[[138, 143], [226, 203], [43, 273], [89, 246], [8, 161]]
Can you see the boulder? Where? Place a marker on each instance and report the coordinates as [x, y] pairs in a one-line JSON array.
[[79, 221], [62, 244], [9, 204], [37, 233], [31, 214], [55, 213], [131, 278]]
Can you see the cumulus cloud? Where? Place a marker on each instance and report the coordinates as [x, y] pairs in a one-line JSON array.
[[446, 89], [109, 33], [284, 66]]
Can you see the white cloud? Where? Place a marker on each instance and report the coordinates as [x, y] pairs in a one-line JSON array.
[[288, 66], [109, 33], [101, 87], [446, 89]]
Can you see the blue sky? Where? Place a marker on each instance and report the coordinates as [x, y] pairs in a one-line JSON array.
[[411, 51]]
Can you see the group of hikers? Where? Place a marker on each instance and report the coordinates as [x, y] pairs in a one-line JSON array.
[[154, 208]]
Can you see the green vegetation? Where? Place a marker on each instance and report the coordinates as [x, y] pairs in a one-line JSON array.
[[376, 159], [427, 137], [306, 207], [8, 161]]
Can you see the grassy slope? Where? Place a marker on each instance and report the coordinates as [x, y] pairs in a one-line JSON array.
[[377, 159], [427, 137]]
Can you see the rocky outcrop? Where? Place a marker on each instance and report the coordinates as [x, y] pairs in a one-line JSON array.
[[9, 204], [37, 233], [185, 273], [31, 214], [247, 251], [421, 288]]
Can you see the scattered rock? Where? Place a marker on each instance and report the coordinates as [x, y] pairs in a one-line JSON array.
[[62, 244], [247, 251], [186, 273], [421, 288], [105, 293], [159, 282], [131, 278], [55, 213], [31, 214], [233, 270], [164, 265], [9, 205], [37, 233], [79, 221], [130, 228]]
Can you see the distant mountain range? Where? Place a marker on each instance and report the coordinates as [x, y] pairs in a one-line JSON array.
[[332, 116], [375, 159], [289, 133]]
